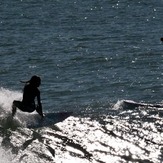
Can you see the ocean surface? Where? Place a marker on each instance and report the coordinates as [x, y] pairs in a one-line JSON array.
[[91, 56]]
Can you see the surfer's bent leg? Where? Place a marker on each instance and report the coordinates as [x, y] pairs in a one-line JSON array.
[[16, 104], [13, 109], [25, 108]]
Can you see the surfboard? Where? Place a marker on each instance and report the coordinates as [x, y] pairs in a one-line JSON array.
[[129, 104], [34, 120]]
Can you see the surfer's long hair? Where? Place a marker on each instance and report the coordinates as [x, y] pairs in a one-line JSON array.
[[34, 81]]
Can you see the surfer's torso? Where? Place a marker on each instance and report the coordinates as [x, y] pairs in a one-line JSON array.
[[29, 94]]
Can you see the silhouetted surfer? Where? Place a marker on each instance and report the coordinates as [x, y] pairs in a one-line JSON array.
[[30, 92]]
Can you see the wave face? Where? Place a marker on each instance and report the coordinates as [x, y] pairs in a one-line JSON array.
[[123, 135]]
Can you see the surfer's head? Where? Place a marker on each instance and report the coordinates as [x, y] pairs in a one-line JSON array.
[[35, 81]]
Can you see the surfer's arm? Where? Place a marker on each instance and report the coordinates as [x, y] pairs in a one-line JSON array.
[[39, 107], [39, 111]]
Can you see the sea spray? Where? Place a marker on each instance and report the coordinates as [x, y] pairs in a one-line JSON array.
[[7, 97]]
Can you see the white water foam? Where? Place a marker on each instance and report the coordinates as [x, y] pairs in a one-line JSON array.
[[5, 156], [6, 98], [118, 105]]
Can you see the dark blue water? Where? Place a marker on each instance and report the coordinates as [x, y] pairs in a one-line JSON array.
[[89, 54]]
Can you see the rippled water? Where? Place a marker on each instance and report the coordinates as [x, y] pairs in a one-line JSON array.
[[91, 55]]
